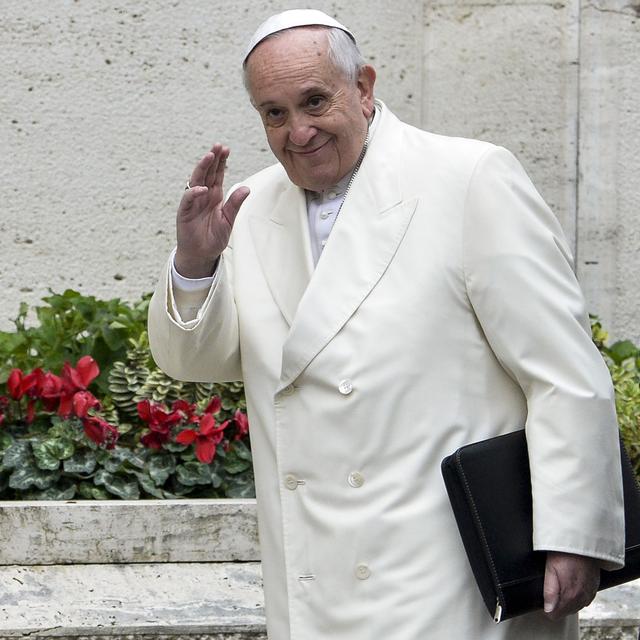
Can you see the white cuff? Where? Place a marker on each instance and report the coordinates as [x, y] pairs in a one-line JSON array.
[[190, 284]]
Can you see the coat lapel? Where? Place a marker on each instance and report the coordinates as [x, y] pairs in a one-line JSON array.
[[284, 250], [367, 233]]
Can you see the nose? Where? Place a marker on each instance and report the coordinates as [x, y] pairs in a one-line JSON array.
[[301, 130]]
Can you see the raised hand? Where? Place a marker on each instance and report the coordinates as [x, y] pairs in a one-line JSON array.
[[204, 220]]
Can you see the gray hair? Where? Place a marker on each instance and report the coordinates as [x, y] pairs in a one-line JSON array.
[[342, 50]]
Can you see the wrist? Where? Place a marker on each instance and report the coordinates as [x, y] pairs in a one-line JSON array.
[[195, 269]]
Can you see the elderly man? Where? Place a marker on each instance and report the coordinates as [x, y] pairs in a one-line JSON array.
[[388, 295]]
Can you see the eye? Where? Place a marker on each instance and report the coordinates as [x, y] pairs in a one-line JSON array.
[[274, 116], [316, 102]]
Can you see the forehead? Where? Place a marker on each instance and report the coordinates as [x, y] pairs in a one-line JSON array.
[[290, 56]]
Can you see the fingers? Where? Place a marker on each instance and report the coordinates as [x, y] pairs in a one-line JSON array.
[[210, 169], [551, 589], [190, 196], [233, 204], [571, 582]]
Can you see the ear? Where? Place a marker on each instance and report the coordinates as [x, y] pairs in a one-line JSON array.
[[366, 80]]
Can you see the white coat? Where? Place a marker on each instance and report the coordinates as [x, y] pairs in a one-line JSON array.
[[443, 310]]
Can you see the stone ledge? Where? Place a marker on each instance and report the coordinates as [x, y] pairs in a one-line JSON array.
[[90, 532], [193, 601], [210, 600]]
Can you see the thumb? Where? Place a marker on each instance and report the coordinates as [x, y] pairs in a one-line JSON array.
[[233, 204], [551, 589]]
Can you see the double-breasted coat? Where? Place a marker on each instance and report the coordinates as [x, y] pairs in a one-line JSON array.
[[443, 310]]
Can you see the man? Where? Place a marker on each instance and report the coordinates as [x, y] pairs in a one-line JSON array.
[[388, 295]]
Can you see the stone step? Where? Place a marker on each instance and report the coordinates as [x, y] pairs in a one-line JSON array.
[[212, 600], [185, 601], [101, 532]]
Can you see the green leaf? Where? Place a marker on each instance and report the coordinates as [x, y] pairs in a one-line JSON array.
[[44, 458], [53, 493], [180, 489], [193, 473], [30, 476], [17, 454], [240, 487], [149, 485], [124, 488], [90, 492], [233, 464], [242, 451], [622, 350], [70, 429], [82, 462], [126, 460], [49, 453], [161, 466], [174, 447], [6, 440]]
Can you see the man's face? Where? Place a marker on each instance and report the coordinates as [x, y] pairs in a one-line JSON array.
[[314, 117]]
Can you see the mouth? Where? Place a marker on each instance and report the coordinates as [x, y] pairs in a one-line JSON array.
[[311, 152]]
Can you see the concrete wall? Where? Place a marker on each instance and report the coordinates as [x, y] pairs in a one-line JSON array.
[[106, 105]]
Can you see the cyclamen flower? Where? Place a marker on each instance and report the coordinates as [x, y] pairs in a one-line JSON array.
[[85, 371], [242, 424], [83, 401], [100, 431], [14, 384], [160, 421], [214, 406], [50, 389], [206, 438], [74, 380]]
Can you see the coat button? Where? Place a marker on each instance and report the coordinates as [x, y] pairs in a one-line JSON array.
[[291, 482], [345, 387], [362, 571], [288, 390], [356, 479]]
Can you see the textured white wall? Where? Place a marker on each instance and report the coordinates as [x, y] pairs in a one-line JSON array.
[[106, 105]]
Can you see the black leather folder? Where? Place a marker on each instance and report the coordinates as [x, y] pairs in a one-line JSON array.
[[489, 487]]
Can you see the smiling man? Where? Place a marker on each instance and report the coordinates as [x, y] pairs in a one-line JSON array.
[[388, 295]]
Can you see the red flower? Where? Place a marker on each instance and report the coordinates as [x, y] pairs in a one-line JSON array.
[[242, 424], [76, 379], [155, 439], [85, 371], [83, 401], [206, 438], [14, 384], [32, 383], [184, 406], [214, 406], [160, 421], [156, 416], [31, 411], [50, 389], [100, 431]]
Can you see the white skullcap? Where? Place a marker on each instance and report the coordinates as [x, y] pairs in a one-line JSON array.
[[288, 20]]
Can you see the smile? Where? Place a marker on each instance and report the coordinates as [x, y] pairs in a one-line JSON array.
[[310, 153]]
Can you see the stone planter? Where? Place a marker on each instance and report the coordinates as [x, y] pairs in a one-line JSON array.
[[165, 570]]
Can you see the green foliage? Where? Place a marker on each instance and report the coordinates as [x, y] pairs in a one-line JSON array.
[[51, 457], [71, 325], [623, 360]]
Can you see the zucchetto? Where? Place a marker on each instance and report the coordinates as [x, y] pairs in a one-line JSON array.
[[288, 20]]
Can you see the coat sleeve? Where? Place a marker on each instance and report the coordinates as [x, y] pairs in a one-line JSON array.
[[520, 282], [192, 338]]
